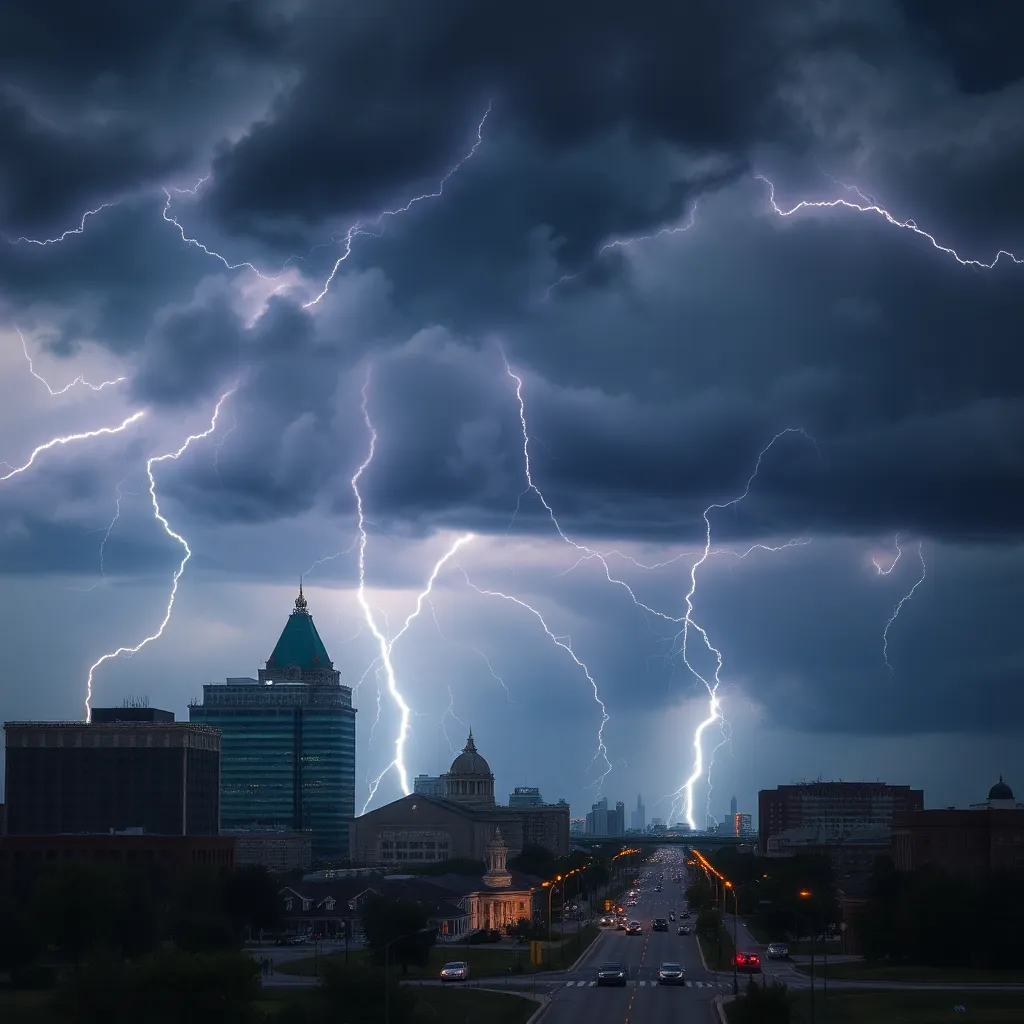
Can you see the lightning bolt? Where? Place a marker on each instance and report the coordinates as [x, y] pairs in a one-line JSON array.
[[865, 205], [385, 645], [566, 645], [67, 387], [360, 227], [330, 558], [623, 243], [450, 711], [902, 601], [109, 529], [470, 647], [712, 684], [69, 438], [71, 231], [159, 516]]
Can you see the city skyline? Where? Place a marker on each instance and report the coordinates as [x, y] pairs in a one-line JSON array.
[[551, 382]]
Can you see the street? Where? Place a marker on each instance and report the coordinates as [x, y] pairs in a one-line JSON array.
[[576, 999]]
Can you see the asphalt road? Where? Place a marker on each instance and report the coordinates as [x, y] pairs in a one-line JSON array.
[[578, 1000]]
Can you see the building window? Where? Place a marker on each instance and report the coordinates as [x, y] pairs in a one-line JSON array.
[[328, 903], [305, 904], [288, 904]]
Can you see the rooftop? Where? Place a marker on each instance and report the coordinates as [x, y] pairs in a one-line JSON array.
[[299, 644]]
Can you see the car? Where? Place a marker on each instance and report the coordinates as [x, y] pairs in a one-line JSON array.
[[634, 928], [750, 962], [659, 924], [683, 929], [671, 974], [607, 920], [685, 915], [671, 915], [657, 888], [612, 974], [620, 923], [777, 951], [456, 970]]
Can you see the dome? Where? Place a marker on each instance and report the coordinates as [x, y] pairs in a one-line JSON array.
[[1000, 791], [469, 762]]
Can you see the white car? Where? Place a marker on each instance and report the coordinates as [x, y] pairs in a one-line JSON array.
[[777, 951], [457, 970]]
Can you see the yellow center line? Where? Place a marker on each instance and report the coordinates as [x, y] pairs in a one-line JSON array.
[[636, 987]]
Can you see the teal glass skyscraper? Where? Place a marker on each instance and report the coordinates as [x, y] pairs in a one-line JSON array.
[[288, 742]]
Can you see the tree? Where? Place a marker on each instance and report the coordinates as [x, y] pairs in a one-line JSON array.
[[761, 1004], [699, 895], [396, 929], [534, 860], [709, 922], [251, 901], [356, 995], [164, 988], [199, 922]]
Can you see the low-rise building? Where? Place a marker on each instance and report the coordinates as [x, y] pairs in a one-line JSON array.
[[279, 852], [851, 852]]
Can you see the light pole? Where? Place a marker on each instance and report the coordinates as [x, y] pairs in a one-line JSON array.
[[550, 886], [735, 924], [817, 919], [387, 947]]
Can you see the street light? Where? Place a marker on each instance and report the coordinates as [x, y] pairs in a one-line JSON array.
[[806, 894], [735, 921], [387, 947]]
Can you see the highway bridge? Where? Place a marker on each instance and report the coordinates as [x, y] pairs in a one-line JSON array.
[[695, 840]]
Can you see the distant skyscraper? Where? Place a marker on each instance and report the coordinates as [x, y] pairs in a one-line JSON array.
[[638, 818], [288, 757], [428, 785], [733, 806], [605, 821]]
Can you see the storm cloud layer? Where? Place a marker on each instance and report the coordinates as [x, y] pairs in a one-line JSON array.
[[420, 205]]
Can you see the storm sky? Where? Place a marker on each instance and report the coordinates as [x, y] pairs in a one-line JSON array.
[[305, 203]]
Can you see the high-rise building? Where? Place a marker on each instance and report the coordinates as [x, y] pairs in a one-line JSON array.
[[741, 825], [525, 796], [157, 777], [288, 757], [605, 821], [733, 807], [428, 785], [638, 818], [833, 807]]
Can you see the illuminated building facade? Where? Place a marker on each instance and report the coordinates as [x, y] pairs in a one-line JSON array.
[[288, 743]]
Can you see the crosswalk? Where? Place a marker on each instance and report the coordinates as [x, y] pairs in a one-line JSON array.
[[653, 984]]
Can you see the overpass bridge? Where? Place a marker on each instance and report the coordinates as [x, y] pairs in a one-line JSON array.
[[695, 840]]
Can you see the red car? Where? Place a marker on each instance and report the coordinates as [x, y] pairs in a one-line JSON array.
[[748, 962]]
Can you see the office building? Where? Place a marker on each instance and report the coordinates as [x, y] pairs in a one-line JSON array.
[[157, 777], [741, 825], [638, 818], [605, 821], [833, 807], [733, 807], [428, 785], [658, 824], [525, 796], [975, 842], [288, 748], [422, 828]]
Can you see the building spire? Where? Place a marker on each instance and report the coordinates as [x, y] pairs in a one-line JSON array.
[[300, 601], [470, 746]]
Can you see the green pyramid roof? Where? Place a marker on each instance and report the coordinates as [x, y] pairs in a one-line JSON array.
[[299, 643]]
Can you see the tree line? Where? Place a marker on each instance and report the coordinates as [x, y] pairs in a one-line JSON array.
[[934, 918]]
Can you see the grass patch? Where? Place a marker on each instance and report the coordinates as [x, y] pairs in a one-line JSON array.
[[484, 961], [866, 970], [717, 956], [910, 1007], [455, 1005], [26, 1007]]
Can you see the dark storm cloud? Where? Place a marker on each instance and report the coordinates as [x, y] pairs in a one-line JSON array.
[[89, 95], [407, 80]]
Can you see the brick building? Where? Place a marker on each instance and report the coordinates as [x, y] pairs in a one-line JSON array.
[[832, 807], [985, 838]]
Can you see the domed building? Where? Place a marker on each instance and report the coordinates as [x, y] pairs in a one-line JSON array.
[[469, 781], [456, 818]]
